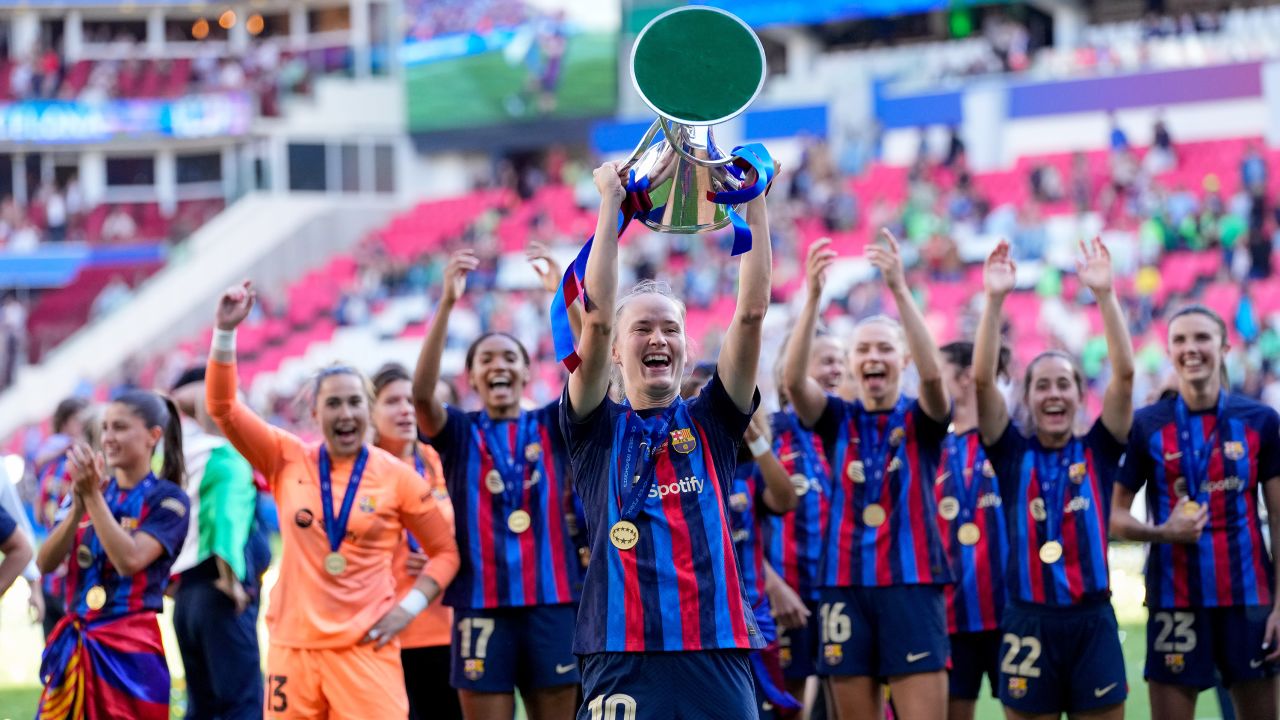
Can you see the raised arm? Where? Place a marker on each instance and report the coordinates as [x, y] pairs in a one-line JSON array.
[[887, 258], [430, 411], [740, 354], [806, 395], [256, 440], [550, 272], [779, 494], [589, 383], [1094, 270], [997, 280]]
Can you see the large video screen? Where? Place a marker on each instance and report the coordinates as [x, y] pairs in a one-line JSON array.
[[761, 13], [483, 63]]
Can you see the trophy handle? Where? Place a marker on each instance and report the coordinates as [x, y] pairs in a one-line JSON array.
[[675, 144], [642, 146]]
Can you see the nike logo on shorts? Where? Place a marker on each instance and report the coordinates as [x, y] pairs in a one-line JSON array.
[[1099, 692], [1255, 664], [913, 657], [562, 669]]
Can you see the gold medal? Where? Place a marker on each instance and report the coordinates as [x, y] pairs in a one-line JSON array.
[[855, 472], [1191, 508], [532, 452], [96, 598], [519, 521], [1051, 552], [624, 535], [1037, 510], [969, 534], [801, 484], [493, 482], [335, 563], [949, 508], [873, 515], [84, 557]]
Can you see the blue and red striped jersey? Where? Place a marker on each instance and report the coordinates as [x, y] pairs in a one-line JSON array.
[[501, 567], [156, 507], [679, 587], [793, 542], [1230, 565], [53, 484], [745, 515], [906, 444], [1075, 482], [967, 492]]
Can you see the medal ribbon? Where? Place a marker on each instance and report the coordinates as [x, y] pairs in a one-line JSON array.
[[336, 528], [1051, 471], [1196, 468], [421, 467], [874, 448], [958, 460], [510, 463], [651, 432]]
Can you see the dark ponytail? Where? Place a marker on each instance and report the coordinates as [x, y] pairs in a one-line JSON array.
[[174, 468], [158, 410]]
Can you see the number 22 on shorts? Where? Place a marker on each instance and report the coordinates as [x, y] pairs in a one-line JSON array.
[[1026, 668]]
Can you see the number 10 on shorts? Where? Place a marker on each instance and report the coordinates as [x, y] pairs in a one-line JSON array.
[[614, 707]]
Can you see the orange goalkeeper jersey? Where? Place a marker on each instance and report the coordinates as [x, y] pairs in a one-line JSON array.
[[310, 608]]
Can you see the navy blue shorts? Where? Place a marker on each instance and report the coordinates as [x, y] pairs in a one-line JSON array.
[[1192, 646], [500, 649], [882, 631], [707, 685], [798, 647], [1055, 660], [974, 654]]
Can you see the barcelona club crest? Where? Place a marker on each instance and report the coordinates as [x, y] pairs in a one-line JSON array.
[[367, 504], [1234, 450], [473, 668], [682, 440], [1175, 662], [1076, 472], [896, 436], [833, 654], [1017, 687]]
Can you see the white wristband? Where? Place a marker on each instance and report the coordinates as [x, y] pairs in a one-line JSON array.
[[758, 447], [224, 340], [414, 602]]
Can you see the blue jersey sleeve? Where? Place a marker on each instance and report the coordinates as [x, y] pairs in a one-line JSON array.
[[168, 511], [452, 437], [1136, 468], [1269, 453], [929, 432], [8, 526], [1107, 454], [715, 409]]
